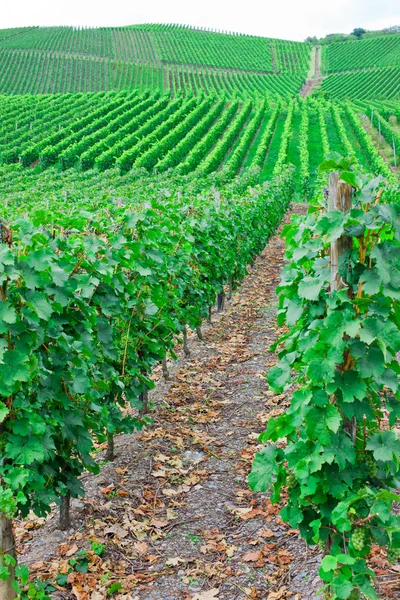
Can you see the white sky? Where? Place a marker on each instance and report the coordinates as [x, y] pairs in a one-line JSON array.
[[287, 19]]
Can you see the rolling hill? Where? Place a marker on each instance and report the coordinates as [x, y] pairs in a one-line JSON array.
[[151, 99]]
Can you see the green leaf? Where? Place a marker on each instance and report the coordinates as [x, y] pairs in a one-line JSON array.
[[7, 313], [351, 385], [144, 271], [40, 259], [340, 517], [15, 367], [156, 255], [114, 587], [343, 587], [384, 445], [327, 165], [80, 382], [292, 515], [321, 370], [368, 590], [345, 559], [263, 469], [24, 451], [40, 304], [393, 406], [372, 364], [4, 573], [370, 330], [151, 309], [60, 277], [280, 375], [22, 572], [6, 257], [331, 225], [371, 282], [350, 178], [293, 312], [322, 420], [343, 449], [381, 254], [310, 287], [4, 411], [329, 563]]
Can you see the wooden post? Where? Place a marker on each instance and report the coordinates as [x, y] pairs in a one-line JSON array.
[[144, 397], [164, 366], [110, 452], [7, 546], [340, 198], [186, 350], [64, 521]]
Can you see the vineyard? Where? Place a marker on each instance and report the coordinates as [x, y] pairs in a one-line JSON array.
[[66, 60], [169, 428], [148, 133]]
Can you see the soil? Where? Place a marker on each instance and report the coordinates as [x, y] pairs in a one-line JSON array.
[[173, 509], [315, 78]]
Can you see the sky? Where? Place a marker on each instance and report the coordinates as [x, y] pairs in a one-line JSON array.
[[287, 19]]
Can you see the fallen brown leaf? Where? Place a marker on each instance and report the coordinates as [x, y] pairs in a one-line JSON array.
[[252, 556], [209, 595]]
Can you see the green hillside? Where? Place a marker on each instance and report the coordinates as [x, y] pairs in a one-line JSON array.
[[154, 98], [159, 98], [65, 59], [362, 54], [368, 68]]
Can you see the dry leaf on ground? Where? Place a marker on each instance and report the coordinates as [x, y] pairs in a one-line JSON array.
[[209, 595]]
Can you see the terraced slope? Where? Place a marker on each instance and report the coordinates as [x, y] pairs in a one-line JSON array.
[[362, 54], [362, 69], [374, 83], [65, 59], [41, 60]]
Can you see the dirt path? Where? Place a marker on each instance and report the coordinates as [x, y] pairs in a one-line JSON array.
[[174, 510], [314, 75], [317, 73]]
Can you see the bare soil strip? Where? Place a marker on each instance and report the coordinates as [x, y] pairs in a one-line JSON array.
[[314, 76]]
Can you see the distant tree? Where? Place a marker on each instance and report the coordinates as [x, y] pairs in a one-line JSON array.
[[334, 37], [312, 39], [359, 32], [393, 29]]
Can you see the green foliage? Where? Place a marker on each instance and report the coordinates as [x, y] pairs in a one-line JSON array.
[[380, 83], [341, 461], [91, 302], [25, 589], [373, 52], [41, 60], [114, 587]]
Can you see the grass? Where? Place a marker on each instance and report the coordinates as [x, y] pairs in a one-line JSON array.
[[334, 141], [314, 145], [273, 150], [293, 155], [256, 142]]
